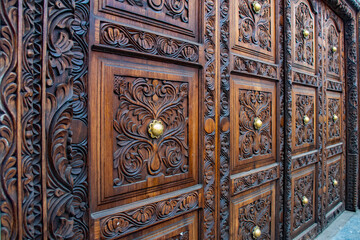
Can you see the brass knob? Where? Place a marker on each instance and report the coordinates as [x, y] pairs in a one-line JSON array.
[[334, 49], [156, 129], [256, 7], [335, 182], [306, 33], [256, 232], [304, 200], [306, 119], [257, 123], [335, 117]]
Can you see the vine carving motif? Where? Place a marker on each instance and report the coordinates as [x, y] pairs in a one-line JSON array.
[[255, 142], [177, 9], [132, 39], [119, 224], [137, 155], [304, 133], [304, 46], [257, 213]]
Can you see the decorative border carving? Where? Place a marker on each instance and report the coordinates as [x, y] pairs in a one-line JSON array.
[[335, 150], [254, 179], [301, 161], [122, 223], [121, 37], [252, 67], [334, 86], [305, 79]]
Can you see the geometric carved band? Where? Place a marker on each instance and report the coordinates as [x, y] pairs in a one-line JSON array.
[[334, 86], [305, 79], [334, 150], [131, 220], [303, 160], [252, 67], [251, 179], [122, 37]]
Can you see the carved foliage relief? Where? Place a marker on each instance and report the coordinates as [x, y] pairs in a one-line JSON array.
[[304, 132], [176, 9], [255, 28], [255, 142], [333, 56], [304, 46], [137, 155], [257, 213], [334, 125], [334, 174], [303, 213]]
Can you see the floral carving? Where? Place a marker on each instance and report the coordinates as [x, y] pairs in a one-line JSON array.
[[257, 213], [333, 56], [255, 28], [254, 142], [253, 67], [334, 86], [135, 219], [304, 46], [304, 133], [305, 79], [333, 190], [137, 155], [330, 152], [303, 213], [131, 39], [255, 179], [334, 125], [177, 9], [304, 160]]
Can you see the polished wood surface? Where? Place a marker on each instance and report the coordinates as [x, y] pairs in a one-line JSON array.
[[177, 119]]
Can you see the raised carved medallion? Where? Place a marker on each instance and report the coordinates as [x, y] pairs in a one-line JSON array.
[[254, 142], [304, 132], [176, 9], [137, 155], [136, 40], [255, 28], [304, 46], [125, 222], [257, 213], [334, 126]]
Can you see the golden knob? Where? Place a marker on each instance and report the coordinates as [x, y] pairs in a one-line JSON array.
[[306, 119], [257, 123], [304, 200], [334, 49], [256, 7], [306, 33], [156, 129], [335, 182], [256, 232], [335, 117]]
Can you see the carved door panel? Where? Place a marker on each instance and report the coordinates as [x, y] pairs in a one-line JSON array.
[[146, 106]]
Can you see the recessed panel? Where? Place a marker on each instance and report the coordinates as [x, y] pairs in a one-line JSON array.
[[333, 181], [334, 117]]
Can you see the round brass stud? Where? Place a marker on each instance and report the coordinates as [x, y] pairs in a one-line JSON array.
[[256, 232], [334, 49], [156, 129], [335, 182], [306, 33], [306, 119], [256, 7], [257, 123], [304, 200], [335, 117]]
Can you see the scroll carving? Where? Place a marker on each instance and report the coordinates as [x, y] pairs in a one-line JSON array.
[[122, 223], [255, 142], [257, 213], [304, 186], [255, 29], [334, 126], [303, 161], [333, 57], [304, 133], [333, 191], [304, 47], [136, 40], [254, 179], [178, 9], [305, 79], [137, 155], [253, 67]]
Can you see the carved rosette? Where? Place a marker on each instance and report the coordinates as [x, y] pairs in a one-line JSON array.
[[122, 223], [304, 46], [137, 155], [257, 213], [304, 133], [255, 142], [334, 125], [255, 28], [303, 213], [334, 190]]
